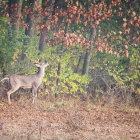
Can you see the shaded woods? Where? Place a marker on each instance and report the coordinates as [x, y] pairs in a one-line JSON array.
[[93, 46]]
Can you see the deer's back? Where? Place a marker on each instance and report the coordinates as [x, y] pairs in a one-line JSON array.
[[25, 81]]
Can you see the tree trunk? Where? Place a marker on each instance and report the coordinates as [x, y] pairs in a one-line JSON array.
[[14, 15], [30, 32], [15, 25], [59, 64], [42, 41], [78, 64], [29, 21], [89, 52], [44, 33]]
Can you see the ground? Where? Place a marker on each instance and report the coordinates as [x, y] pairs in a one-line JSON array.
[[67, 120]]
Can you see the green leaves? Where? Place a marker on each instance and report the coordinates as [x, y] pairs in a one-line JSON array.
[[69, 82]]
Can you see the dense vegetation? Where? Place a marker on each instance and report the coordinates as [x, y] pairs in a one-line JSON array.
[[93, 47]]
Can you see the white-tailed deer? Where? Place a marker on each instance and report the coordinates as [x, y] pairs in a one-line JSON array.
[[26, 81]]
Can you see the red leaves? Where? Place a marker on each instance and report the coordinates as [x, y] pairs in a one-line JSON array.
[[73, 13], [101, 44], [47, 25], [137, 25], [124, 19], [120, 14], [124, 24], [131, 21], [85, 23], [127, 31], [126, 52], [131, 24], [134, 13], [109, 45], [92, 26], [97, 22], [116, 2], [126, 47], [68, 40], [7, 15]]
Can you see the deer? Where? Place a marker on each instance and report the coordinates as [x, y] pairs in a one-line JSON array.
[[26, 81]]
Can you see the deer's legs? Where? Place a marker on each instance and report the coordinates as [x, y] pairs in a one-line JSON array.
[[12, 90], [34, 92]]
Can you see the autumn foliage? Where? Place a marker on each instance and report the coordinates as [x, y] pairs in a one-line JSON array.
[[108, 30]]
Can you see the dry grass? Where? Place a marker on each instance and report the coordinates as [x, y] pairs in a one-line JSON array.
[[67, 120]]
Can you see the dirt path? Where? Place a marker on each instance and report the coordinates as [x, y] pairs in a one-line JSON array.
[[67, 121]]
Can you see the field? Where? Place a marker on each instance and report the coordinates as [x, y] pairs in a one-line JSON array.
[[67, 120]]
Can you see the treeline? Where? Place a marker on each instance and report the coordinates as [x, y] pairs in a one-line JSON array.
[[92, 46]]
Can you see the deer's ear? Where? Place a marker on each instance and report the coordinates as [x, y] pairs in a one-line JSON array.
[[37, 65], [46, 64]]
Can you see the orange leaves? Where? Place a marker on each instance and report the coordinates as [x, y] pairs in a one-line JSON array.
[[74, 9], [113, 44], [116, 2], [72, 39], [56, 18], [96, 13], [124, 19], [127, 31], [126, 52], [101, 44], [135, 18], [100, 5], [7, 15], [97, 22], [137, 25], [73, 13], [69, 39], [124, 24], [85, 23], [126, 46], [131, 21], [120, 14], [47, 25], [128, 11], [134, 13], [92, 26]]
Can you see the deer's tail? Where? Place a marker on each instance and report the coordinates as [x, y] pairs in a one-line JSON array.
[[6, 78]]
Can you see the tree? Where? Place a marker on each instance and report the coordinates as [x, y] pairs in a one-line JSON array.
[[46, 24], [15, 12], [89, 52], [31, 22], [93, 29]]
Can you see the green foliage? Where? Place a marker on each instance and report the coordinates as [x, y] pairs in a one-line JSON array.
[[69, 82], [121, 40], [72, 83], [125, 71], [124, 67], [3, 37], [11, 49]]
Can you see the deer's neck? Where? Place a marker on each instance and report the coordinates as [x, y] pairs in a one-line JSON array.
[[41, 72]]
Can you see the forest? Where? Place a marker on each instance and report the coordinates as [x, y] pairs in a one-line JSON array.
[[91, 87]]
